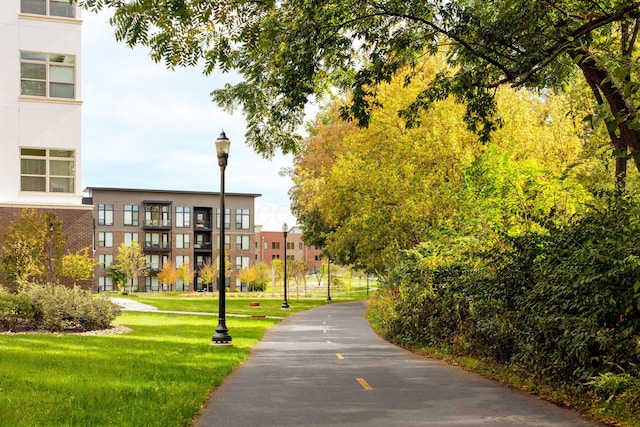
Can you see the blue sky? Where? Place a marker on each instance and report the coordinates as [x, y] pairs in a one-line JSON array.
[[147, 127]]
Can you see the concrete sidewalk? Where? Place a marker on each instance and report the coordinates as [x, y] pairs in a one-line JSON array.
[[326, 367]]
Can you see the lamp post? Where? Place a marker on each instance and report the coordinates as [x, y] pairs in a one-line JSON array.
[[285, 231], [328, 279], [222, 337]]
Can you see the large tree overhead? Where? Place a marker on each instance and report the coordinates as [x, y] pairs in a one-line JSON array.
[[290, 52]]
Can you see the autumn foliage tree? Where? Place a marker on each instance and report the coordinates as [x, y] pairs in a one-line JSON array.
[[78, 266], [168, 275]]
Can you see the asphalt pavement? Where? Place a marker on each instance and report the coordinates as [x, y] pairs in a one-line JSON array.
[[326, 367]]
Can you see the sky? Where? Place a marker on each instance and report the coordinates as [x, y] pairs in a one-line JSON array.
[[147, 127]]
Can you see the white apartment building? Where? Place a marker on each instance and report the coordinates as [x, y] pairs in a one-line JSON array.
[[40, 103]]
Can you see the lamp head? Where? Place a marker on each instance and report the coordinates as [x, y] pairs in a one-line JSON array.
[[222, 148]]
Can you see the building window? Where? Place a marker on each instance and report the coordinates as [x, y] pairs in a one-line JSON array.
[[156, 241], [130, 237], [152, 284], [105, 239], [275, 257], [300, 246], [242, 262], [181, 259], [153, 262], [105, 214], [242, 242], [183, 241], [105, 283], [47, 170], [183, 216], [275, 245], [266, 245], [291, 246], [131, 215], [105, 260], [227, 218], [157, 216], [242, 219], [227, 241], [47, 75], [61, 8]]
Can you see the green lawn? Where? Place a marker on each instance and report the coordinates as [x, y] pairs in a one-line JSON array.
[[158, 375]]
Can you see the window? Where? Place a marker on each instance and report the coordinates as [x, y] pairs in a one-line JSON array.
[[157, 216], [152, 284], [183, 216], [105, 214], [181, 259], [242, 219], [242, 262], [300, 246], [47, 75], [266, 245], [183, 241], [130, 237], [47, 170], [105, 239], [153, 261], [105, 260], [156, 241], [227, 218], [242, 242], [105, 283], [60, 8], [291, 246], [131, 215], [227, 241], [275, 245], [275, 257]]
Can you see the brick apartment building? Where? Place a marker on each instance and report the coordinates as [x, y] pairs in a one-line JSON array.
[[271, 246], [178, 226]]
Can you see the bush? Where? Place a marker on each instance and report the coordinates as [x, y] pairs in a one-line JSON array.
[[16, 312], [57, 308]]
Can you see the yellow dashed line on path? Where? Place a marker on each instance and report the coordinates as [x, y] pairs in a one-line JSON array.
[[339, 356], [365, 385]]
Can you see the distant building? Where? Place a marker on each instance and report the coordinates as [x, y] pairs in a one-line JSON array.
[[178, 226], [40, 114], [272, 247]]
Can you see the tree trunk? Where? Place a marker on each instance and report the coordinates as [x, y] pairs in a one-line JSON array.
[[605, 88]]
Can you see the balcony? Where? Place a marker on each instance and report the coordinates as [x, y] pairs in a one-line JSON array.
[[202, 226], [157, 224], [202, 247], [153, 246]]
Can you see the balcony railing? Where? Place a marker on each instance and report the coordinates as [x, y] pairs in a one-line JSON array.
[[151, 246], [203, 246], [157, 223]]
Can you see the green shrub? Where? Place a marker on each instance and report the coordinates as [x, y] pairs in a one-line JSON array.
[[16, 312], [58, 308]]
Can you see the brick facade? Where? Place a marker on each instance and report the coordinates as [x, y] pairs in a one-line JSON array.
[[76, 226]]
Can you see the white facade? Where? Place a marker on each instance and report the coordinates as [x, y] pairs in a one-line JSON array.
[[40, 103]]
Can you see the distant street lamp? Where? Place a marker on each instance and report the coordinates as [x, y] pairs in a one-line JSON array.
[[328, 279], [285, 231], [222, 337]]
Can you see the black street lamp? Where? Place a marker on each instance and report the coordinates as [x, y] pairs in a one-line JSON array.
[[285, 231], [328, 279], [222, 337]]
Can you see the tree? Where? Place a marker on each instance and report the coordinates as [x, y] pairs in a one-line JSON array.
[[263, 275], [299, 269], [289, 53], [247, 275], [78, 266], [277, 269], [185, 273], [33, 248], [130, 262], [208, 272], [168, 275], [386, 188]]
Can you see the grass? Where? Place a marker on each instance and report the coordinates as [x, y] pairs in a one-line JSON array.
[[158, 375]]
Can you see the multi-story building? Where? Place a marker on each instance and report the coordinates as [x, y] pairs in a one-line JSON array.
[[271, 246], [40, 114], [178, 226]]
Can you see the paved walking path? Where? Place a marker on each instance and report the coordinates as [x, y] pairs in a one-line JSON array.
[[325, 367]]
